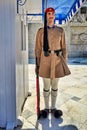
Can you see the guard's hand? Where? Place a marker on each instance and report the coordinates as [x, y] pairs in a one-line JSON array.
[[37, 70]]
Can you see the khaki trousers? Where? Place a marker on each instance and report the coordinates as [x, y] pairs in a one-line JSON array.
[[53, 86]]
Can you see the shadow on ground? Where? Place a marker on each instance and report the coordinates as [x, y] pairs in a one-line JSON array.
[[52, 124], [55, 124]]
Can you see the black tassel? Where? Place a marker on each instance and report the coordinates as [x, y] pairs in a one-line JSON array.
[[45, 38]]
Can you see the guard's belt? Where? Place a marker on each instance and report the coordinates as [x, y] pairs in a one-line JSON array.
[[58, 52], [55, 51]]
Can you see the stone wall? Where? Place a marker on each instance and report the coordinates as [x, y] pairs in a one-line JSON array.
[[32, 28], [78, 40]]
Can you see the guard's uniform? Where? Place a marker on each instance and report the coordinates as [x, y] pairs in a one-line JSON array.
[[52, 66]]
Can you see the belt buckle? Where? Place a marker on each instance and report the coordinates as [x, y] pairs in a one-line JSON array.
[[60, 53], [52, 52]]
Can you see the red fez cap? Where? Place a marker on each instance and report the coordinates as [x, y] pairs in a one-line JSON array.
[[50, 9]]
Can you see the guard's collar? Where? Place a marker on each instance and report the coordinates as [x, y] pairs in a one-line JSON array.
[[50, 27]]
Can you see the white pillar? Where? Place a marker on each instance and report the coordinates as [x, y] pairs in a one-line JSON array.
[[7, 63], [13, 65]]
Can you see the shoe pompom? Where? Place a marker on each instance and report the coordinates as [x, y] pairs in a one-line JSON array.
[[58, 113], [44, 113]]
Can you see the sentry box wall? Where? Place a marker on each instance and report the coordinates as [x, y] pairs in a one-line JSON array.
[[13, 63]]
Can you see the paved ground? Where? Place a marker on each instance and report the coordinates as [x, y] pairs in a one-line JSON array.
[[72, 100]]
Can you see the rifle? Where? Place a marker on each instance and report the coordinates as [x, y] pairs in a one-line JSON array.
[[41, 113], [37, 91]]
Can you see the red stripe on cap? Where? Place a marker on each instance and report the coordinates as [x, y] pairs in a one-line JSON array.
[[50, 9]]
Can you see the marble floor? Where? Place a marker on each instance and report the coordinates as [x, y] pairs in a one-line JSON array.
[[72, 100]]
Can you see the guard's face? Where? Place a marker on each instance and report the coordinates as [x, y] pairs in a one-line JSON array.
[[50, 17]]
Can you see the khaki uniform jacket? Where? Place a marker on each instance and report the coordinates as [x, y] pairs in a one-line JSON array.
[[52, 66]]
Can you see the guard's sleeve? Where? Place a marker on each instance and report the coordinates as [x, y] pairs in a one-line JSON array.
[[38, 47], [63, 41]]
